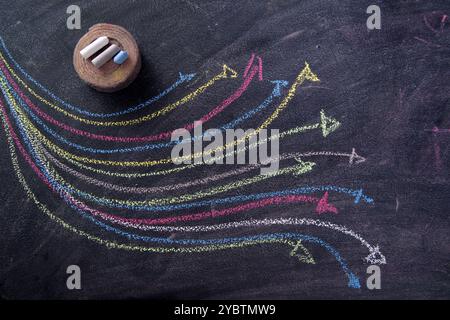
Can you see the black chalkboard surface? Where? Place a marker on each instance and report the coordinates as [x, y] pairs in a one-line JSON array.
[[376, 126]]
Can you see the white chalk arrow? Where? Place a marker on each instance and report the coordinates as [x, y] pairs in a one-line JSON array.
[[374, 257]]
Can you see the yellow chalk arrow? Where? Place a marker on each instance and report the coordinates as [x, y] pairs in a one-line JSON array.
[[226, 73], [304, 256]]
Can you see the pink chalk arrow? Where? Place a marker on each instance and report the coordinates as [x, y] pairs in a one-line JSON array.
[[227, 72], [323, 205]]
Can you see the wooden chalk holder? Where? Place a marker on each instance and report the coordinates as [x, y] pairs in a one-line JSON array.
[[111, 76]]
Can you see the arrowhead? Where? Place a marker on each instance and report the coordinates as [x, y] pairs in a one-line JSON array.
[[308, 74], [304, 255], [355, 158], [358, 195], [375, 256], [228, 72], [328, 124], [186, 77], [278, 85], [323, 205], [303, 167]]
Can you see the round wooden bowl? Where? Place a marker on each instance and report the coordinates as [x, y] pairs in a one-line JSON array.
[[110, 77]]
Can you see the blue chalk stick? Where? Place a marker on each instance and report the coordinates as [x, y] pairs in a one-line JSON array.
[[121, 57]]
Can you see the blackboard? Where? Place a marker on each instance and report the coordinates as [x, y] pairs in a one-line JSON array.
[[387, 88]]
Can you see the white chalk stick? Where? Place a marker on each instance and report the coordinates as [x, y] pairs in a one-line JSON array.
[[105, 56], [94, 47]]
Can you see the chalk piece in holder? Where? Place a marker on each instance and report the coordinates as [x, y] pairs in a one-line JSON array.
[[121, 57], [94, 47], [104, 74], [105, 56]]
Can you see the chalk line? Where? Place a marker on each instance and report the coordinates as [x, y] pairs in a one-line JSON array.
[[358, 195], [182, 78], [28, 105], [227, 73], [353, 158], [438, 130], [374, 257], [66, 154], [353, 280]]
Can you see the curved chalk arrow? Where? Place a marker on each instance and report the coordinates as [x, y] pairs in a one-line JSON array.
[[233, 185], [374, 252], [146, 223], [305, 74], [189, 197], [132, 205], [354, 158], [326, 124], [326, 129], [28, 105], [374, 256], [124, 174], [182, 78], [305, 256], [300, 168], [322, 205], [139, 223], [227, 72], [211, 245], [275, 93], [358, 194]]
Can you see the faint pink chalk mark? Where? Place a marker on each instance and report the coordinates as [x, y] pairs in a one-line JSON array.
[[401, 94], [429, 26], [437, 130], [443, 20], [323, 205], [292, 35], [437, 150], [249, 64], [260, 68], [427, 42]]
